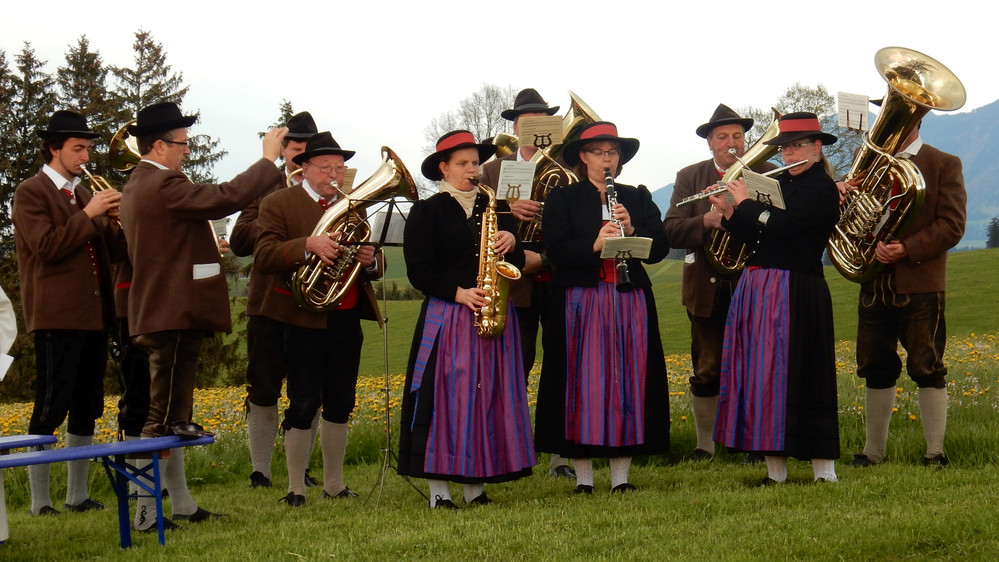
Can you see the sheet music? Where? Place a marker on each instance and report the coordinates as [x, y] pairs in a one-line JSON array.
[[515, 180], [348, 180], [853, 112], [627, 247], [763, 189], [540, 131], [396, 218]]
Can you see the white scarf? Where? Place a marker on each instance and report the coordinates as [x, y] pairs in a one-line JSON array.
[[465, 198]]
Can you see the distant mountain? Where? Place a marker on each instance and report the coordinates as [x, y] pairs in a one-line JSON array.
[[972, 137]]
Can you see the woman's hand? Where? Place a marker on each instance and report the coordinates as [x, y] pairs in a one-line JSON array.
[[609, 230], [622, 216], [474, 298], [504, 242]]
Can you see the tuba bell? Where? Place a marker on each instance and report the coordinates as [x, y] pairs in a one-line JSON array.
[[320, 287], [890, 190], [725, 254], [123, 150]]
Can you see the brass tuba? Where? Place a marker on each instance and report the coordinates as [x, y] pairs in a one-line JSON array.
[[123, 150], [320, 287], [890, 190], [494, 275], [726, 255], [548, 173]]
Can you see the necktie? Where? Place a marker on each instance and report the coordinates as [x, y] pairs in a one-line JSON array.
[[322, 203], [69, 193]]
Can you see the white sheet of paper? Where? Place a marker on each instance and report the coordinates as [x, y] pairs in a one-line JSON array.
[[515, 180], [764, 189], [206, 270], [5, 362], [853, 111], [541, 131]]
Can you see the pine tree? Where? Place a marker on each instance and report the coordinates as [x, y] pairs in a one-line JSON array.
[[83, 88], [992, 234]]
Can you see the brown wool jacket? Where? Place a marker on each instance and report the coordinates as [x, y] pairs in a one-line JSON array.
[[60, 288], [287, 218], [172, 247]]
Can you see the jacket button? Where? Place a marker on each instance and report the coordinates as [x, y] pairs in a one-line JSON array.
[[713, 280]]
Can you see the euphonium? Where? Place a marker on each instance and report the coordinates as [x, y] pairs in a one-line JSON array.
[[495, 274], [890, 190], [726, 255], [548, 173], [320, 287]]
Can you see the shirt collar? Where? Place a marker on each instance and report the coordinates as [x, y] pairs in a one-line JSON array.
[[157, 164], [312, 192], [912, 149], [59, 181]]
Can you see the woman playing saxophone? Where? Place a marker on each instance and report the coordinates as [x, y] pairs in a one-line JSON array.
[[465, 414]]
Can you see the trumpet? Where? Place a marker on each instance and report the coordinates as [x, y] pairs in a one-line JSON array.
[[722, 186], [623, 280], [98, 184]]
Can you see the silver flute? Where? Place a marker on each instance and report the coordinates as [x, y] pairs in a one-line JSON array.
[[723, 186]]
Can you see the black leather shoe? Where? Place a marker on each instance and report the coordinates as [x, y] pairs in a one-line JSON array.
[[481, 499], [47, 510], [441, 503], [583, 489], [344, 493], [563, 471], [168, 525], [700, 455], [198, 516], [188, 430], [622, 488], [753, 458], [939, 461], [86, 505], [862, 461], [258, 480], [293, 499], [310, 482]]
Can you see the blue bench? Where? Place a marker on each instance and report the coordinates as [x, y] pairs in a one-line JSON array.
[[119, 472], [8, 442]]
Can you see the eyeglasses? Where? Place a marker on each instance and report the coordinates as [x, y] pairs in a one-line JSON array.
[[328, 169], [795, 145], [180, 143], [601, 153]]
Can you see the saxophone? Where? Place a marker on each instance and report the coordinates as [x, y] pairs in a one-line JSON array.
[[495, 274]]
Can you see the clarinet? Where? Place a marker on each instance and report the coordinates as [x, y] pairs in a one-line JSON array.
[[623, 281]]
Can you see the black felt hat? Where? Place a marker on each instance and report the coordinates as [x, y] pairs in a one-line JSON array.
[[301, 127], [723, 115], [800, 125], [320, 144], [159, 117], [528, 101], [69, 124], [600, 131], [447, 144]]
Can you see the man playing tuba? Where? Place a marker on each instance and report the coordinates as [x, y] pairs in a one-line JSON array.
[[905, 304], [322, 350]]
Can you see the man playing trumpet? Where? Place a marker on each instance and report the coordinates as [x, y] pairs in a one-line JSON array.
[[322, 350]]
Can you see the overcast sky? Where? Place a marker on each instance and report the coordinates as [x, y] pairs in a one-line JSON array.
[[375, 73]]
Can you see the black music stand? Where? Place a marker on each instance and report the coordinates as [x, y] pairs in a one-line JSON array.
[[386, 219]]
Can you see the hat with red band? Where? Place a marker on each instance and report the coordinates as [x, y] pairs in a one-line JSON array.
[[449, 143], [600, 131], [800, 125]]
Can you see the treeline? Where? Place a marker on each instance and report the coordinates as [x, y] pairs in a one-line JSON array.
[[109, 96]]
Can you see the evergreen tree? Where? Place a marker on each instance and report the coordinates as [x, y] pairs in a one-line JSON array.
[[83, 88], [992, 233]]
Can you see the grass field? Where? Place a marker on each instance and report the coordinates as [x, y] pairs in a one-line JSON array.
[[899, 510]]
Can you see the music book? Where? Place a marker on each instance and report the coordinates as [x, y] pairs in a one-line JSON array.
[[626, 247], [515, 180], [853, 113], [764, 189]]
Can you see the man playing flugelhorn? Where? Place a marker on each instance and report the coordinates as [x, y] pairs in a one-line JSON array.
[[322, 349]]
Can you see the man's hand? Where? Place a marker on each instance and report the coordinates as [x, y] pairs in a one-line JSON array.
[[272, 143], [102, 202], [525, 209], [892, 252]]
